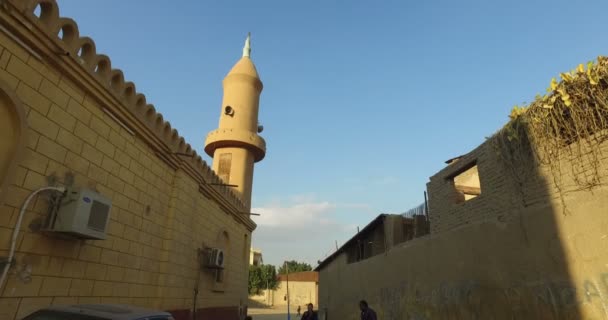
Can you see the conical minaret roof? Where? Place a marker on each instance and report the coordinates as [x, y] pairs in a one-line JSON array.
[[245, 65]]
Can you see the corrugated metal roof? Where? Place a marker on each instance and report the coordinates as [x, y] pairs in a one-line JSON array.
[[379, 219]]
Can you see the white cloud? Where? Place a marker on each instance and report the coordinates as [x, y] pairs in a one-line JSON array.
[[360, 206], [303, 227], [296, 216]]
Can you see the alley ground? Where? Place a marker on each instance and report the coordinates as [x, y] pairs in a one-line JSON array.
[[270, 314]]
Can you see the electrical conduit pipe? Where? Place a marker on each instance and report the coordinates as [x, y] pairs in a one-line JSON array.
[[18, 226]]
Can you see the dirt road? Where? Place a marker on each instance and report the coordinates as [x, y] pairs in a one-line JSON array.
[[271, 314]]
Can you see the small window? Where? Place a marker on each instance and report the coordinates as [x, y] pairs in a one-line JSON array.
[[224, 167], [466, 183]]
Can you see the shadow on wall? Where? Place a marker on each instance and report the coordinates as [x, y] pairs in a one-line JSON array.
[[511, 251]]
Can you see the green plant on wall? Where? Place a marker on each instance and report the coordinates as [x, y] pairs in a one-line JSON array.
[[567, 123], [295, 266]]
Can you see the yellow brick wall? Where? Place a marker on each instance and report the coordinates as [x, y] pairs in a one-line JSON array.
[[301, 293], [158, 218]]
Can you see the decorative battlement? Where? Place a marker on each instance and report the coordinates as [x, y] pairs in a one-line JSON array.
[[64, 32]]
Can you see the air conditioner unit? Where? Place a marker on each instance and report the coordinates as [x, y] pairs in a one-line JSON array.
[[82, 213], [213, 259]]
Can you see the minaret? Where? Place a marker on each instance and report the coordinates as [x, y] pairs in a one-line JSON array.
[[235, 146]]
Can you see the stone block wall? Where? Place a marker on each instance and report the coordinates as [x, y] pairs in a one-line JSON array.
[[86, 132]]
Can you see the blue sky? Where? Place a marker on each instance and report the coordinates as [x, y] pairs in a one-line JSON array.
[[362, 100]]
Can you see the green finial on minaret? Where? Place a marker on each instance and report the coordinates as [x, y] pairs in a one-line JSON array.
[[247, 47]]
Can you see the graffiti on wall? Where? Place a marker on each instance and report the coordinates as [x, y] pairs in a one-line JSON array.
[[472, 300]]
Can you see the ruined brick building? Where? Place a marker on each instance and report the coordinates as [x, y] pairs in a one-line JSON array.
[[518, 226], [178, 234]]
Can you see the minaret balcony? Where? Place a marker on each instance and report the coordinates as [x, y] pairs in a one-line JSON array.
[[234, 138]]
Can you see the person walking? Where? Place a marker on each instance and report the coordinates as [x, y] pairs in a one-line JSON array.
[[310, 314], [367, 313], [299, 311]]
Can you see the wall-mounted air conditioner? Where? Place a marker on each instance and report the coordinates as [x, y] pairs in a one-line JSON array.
[[213, 259], [82, 213]]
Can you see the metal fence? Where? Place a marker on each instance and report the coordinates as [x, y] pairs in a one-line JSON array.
[[418, 210]]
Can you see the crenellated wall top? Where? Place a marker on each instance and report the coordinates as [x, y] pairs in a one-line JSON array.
[[64, 31]]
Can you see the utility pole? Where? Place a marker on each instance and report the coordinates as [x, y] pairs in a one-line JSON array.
[[287, 270], [426, 206], [267, 292]]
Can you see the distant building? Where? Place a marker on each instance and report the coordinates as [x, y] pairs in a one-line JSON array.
[[303, 289], [255, 257], [382, 233]]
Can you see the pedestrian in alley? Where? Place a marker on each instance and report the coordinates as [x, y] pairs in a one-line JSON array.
[[367, 313], [310, 314], [299, 311]]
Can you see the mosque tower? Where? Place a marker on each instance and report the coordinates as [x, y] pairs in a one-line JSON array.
[[235, 146]]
